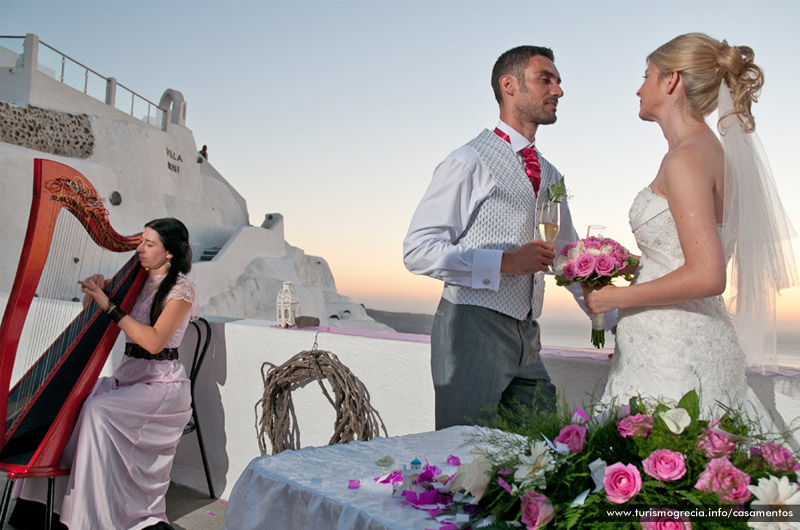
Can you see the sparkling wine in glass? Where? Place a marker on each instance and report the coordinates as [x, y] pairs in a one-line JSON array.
[[549, 219]]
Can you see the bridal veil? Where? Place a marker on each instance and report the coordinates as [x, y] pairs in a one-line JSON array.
[[757, 235]]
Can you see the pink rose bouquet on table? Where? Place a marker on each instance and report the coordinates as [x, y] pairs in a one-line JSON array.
[[593, 261], [620, 469]]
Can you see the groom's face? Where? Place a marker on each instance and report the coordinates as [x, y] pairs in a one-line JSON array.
[[539, 91]]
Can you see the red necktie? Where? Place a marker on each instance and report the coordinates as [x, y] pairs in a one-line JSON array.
[[532, 167]]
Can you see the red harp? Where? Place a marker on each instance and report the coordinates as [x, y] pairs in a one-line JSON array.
[[42, 405]]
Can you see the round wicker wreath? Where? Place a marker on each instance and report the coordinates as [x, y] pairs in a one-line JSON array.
[[277, 420]]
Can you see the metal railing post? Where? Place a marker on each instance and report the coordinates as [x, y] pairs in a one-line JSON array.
[[111, 91]]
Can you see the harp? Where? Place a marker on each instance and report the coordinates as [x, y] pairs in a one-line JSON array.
[[42, 405]]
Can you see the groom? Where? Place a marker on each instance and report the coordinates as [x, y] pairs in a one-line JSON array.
[[475, 229]]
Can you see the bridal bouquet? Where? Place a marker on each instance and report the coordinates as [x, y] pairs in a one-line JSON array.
[[645, 465], [593, 261]]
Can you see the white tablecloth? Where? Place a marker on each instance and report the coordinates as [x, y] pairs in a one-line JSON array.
[[308, 488]]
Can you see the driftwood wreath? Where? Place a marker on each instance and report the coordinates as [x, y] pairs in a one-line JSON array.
[[277, 421]]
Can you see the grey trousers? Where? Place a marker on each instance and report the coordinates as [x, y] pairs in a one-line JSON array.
[[480, 359]]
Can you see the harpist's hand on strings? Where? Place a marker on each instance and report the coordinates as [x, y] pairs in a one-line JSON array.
[[93, 287]]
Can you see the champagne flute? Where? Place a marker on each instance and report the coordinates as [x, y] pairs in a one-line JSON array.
[[549, 220]]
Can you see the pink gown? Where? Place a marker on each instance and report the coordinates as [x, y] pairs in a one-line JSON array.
[[121, 451]]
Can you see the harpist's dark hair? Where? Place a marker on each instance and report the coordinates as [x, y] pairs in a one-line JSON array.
[[175, 238]]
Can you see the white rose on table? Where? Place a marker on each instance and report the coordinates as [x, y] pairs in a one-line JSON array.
[[473, 477]]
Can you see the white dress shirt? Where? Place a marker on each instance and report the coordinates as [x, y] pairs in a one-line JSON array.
[[459, 185]]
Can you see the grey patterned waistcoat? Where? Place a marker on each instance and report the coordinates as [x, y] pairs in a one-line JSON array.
[[505, 220]]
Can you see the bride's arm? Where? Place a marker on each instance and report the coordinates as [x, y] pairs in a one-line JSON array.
[[688, 183]]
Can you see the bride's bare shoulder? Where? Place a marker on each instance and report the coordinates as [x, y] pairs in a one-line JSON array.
[[700, 159]]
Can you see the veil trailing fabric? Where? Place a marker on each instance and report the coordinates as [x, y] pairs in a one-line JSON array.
[[757, 236]]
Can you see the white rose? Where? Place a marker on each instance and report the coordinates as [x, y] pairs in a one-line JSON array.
[[574, 252], [473, 477]]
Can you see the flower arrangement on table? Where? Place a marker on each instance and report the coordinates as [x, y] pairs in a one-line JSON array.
[[594, 261], [678, 471]]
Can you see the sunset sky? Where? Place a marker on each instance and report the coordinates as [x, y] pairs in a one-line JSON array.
[[335, 113]]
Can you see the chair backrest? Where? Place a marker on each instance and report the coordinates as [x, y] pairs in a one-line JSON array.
[[200, 349]]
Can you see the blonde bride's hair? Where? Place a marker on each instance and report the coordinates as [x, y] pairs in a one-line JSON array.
[[704, 62]]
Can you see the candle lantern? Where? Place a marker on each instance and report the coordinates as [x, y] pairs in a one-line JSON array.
[[287, 306]]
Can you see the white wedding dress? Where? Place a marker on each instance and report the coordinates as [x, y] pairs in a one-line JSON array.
[[665, 351]]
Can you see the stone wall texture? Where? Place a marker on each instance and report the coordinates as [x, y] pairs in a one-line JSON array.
[[48, 131]]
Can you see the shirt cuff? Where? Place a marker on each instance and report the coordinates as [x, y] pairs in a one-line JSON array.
[[486, 269]]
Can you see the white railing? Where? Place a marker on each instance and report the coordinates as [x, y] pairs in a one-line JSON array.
[[67, 70]]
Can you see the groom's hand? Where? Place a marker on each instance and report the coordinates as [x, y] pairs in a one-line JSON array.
[[533, 256]]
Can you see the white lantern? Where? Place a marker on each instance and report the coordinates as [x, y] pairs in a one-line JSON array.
[[287, 305]]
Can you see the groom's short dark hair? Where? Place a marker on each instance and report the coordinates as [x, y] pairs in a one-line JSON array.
[[513, 62]]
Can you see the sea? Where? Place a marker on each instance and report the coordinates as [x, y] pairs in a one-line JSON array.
[[572, 329]]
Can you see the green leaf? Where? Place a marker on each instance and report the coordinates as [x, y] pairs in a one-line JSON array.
[[691, 497], [691, 403], [557, 192]]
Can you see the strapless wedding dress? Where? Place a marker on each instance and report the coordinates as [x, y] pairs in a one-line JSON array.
[[665, 351]]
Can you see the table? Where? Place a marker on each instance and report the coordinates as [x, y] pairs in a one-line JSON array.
[[308, 488]]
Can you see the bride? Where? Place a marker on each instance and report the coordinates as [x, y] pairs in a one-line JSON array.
[[712, 202]]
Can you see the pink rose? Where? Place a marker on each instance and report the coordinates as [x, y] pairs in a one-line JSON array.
[[622, 482], [593, 242], [631, 426], [573, 436], [715, 442], [567, 248], [604, 265], [621, 255], [570, 270], [666, 465], [778, 457], [726, 480], [585, 264], [537, 510]]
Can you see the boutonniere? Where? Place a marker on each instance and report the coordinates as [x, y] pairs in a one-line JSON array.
[[557, 191]]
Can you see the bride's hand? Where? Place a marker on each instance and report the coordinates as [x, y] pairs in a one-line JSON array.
[[600, 299]]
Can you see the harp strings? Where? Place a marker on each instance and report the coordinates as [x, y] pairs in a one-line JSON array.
[[73, 256]]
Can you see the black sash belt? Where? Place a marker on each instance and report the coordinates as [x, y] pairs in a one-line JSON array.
[[136, 351]]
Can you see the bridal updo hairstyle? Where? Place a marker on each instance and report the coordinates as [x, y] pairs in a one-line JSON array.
[[175, 238], [703, 63]]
